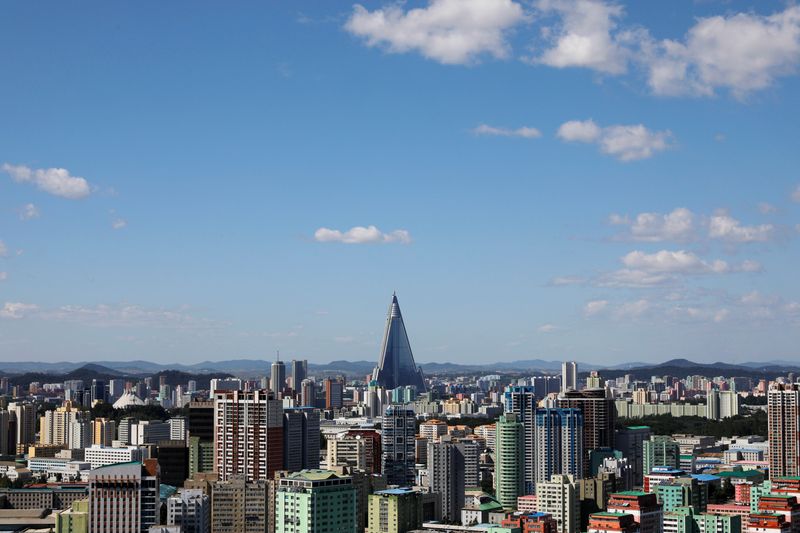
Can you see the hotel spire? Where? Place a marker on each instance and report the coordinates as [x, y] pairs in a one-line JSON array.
[[396, 367]]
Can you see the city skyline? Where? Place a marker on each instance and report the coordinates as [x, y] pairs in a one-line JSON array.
[[233, 183]]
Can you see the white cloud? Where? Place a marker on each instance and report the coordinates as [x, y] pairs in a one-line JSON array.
[[743, 53], [796, 194], [29, 211], [55, 181], [524, 131], [127, 315], [679, 226], [16, 310], [447, 31], [547, 328], [729, 229], [673, 262], [3, 276], [362, 235], [595, 307], [632, 278], [585, 131], [766, 208], [625, 142], [567, 280], [3, 249], [583, 38], [633, 309], [119, 223], [684, 263]]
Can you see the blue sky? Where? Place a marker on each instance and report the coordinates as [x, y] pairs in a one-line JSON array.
[[558, 179]]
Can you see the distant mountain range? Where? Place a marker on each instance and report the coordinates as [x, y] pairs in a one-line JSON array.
[[260, 367]]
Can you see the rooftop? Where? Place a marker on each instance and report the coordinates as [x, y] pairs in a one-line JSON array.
[[314, 475], [396, 492]]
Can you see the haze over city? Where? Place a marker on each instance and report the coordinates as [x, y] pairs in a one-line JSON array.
[[187, 182]]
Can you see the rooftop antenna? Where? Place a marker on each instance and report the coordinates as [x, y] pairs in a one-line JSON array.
[[279, 355]]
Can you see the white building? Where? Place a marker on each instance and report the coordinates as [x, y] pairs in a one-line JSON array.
[[97, 455], [191, 510], [559, 497], [149, 432]]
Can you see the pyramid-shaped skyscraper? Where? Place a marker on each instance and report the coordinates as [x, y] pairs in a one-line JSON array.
[[396, 367]]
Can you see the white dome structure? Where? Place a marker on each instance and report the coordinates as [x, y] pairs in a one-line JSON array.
[[127, 399]]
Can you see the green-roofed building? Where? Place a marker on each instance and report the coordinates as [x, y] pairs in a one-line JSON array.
[[686, 520], [661, 450], [395, 511], [315, 501], [74, 520]]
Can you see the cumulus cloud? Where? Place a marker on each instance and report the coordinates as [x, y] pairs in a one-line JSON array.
[[3, 249], [547, 328], [28, 211], [678, 225], [16, 310], [583, 36], [729, 229], [595, 307], [119, 223], [632, 278], [560, 281], [625, 142], [447, 31], [362, 235], [742, 52], [525, 132], [55, 181], [3, 276], [678, 262]]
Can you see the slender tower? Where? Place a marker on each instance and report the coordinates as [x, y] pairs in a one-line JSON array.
[[278, 376], [396, 367]]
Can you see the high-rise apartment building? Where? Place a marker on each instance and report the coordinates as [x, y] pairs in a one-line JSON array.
[[191, 510], [509, 477], [124, 497], [783, 431], [300, 439], [446, 476], [558, 443], [54, 426], [346, 450], [559, 497], [394, 511], [569, 376], [630, 441], [248, 434], [521, 400], [308, 393], [299, 373], [315, 501], [399, 433], [277, 379], [644, 506], [239, 506], [104, 431], [25, 416], [334, 393], [660, 450], [599, 417]]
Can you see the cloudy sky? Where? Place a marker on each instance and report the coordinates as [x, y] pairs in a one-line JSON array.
[[584, 179]]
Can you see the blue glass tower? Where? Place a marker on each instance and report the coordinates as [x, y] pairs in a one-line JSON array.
[[396, 367]]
